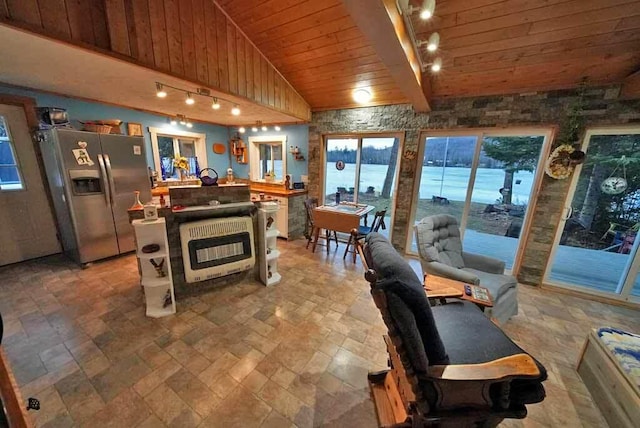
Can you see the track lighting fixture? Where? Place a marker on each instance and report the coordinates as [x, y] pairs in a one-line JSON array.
[[183, 121], [189, 124], [160, 92], [427, 9], [277, 128], [264, 128], [254, 129], [242, 130], [436, 65], [173, 121], [433, 42]]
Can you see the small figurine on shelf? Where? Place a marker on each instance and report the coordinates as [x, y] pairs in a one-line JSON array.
[[163, 202], [167, 299], [159, 268], [269, 274], [269, 222]]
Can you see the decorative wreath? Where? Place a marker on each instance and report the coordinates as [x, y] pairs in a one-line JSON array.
[[563, 161]]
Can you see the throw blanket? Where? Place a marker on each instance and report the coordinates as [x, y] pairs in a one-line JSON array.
[[625, 347]]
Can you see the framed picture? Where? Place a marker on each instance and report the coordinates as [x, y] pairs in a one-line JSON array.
[[134, 129]]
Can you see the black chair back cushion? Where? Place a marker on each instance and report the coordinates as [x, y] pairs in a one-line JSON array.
[[407, 304]]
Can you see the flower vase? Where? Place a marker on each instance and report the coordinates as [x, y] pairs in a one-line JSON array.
[[183, 174]]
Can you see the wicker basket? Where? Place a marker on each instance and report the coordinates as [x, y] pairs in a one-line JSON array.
[[100, 129]]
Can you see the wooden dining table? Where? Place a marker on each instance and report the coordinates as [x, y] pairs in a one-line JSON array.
[[342, 217]]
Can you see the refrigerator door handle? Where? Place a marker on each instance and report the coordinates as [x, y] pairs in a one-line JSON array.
[[103, 173], [112, 184]]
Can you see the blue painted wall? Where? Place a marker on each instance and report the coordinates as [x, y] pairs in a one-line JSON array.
[[298, 135]]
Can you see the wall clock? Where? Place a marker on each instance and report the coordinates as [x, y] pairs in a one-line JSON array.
[[614, 185]]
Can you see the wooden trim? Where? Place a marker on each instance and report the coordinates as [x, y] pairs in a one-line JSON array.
[[112, 54], [519, 365], [383, 26], [593, 296], [11, 397]]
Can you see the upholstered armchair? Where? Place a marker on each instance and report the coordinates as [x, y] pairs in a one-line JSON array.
[[441, 254]]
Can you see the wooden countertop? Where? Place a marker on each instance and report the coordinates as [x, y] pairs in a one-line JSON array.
[[267, 189]]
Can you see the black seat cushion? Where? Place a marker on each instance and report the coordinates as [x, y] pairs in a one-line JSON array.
[[471, 338], [407, 303]]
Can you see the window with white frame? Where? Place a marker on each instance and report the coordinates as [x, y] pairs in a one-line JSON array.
[[268, 158], [10, 178], [168, 144]]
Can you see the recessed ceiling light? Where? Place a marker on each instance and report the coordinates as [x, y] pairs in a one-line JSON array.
[[362, 95]]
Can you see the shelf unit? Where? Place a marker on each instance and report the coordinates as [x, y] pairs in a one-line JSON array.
[[156, 288], [268, 241]]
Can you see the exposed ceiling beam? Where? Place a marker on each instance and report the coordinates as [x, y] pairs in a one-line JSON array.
[[631, 86], [382, 24]]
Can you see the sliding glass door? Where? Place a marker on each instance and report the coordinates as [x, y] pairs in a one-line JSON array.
[[362, 169], [596, 247], [485, 180]]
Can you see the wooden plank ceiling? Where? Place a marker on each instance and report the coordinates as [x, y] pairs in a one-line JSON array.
[[190, 39], [509, 46], [318, 48]]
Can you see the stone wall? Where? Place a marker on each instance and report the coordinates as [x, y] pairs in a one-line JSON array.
[[602, 107], [297, 216]]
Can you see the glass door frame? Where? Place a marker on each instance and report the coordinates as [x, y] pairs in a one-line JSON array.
[[400, 135], [548, 132], [633, 265]]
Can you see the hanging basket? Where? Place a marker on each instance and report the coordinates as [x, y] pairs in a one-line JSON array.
[[559, 165]]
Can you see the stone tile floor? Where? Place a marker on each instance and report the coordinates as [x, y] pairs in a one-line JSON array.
[[295, 354]]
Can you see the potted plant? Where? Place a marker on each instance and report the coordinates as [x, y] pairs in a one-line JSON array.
[[182, 163]]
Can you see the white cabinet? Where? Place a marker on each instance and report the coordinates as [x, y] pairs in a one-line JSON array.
[[283, 216], [268, 242], [283, 213], [155, 267]]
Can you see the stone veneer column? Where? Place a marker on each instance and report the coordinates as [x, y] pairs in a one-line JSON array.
[[602, 107]]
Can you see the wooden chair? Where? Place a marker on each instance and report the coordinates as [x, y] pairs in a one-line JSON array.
[[450, 366], [310, 204], [363, 231]]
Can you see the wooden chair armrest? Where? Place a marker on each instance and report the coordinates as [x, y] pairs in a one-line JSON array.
[[519, 365], [11, 397]]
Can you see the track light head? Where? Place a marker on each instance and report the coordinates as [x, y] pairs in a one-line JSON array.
[[235, 110], [427, 9], [190, 101], [215, 105], [160, 92]]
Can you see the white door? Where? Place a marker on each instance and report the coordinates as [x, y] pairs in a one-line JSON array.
[[27, 228]]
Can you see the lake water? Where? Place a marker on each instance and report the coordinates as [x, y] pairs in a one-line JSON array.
[[454, 186]]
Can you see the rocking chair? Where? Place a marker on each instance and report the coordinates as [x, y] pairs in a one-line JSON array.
[[450, 365]]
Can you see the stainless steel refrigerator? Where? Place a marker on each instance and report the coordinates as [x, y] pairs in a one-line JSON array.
[[92, 179]]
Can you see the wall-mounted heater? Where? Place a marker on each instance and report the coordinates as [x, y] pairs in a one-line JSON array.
[[216, 247]]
